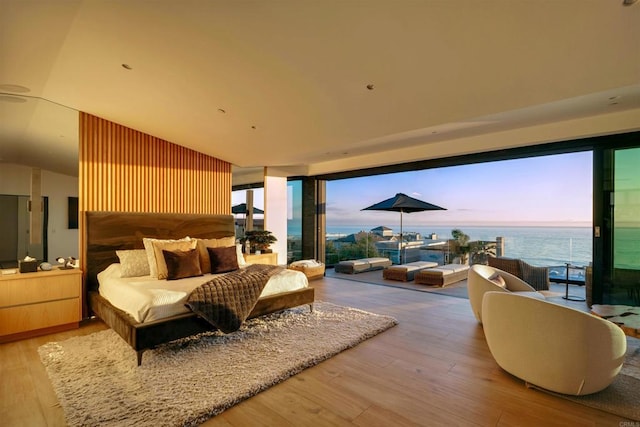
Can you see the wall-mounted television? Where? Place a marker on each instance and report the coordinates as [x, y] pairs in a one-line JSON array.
[[73, 212]]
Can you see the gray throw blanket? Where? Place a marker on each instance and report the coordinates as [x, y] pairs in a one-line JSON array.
[[226, 301]]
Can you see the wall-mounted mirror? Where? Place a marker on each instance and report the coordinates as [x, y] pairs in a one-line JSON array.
[[37, 133]]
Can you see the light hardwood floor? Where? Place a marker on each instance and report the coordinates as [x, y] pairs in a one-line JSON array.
[[433, 369]]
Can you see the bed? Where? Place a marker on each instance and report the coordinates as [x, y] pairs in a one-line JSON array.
[[107, 232]]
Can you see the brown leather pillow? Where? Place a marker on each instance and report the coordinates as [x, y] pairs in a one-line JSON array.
[[223, 260], [181, 264]]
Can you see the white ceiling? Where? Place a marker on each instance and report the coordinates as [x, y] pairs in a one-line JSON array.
[[449, 77]]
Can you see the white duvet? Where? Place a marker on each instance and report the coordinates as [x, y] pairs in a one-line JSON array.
[[147, 298]]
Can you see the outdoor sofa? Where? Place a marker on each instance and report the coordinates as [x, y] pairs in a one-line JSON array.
[[362, 265]]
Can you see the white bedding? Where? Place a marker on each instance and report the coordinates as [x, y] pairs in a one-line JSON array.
[[147, 298]]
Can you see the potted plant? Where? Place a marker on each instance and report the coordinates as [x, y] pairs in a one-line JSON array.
[[259, 240]]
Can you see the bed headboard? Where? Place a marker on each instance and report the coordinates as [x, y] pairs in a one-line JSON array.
[[106, 232]]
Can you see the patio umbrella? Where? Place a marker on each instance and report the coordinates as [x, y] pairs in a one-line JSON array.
[[403, 204], [242, 209]]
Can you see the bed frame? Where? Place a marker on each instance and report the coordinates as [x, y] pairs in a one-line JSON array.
[[106, 232]]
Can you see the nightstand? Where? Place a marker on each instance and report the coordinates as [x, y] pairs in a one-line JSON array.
[[39, 303], [267, 258]]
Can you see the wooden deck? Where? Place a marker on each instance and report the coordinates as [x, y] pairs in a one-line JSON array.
[[433, 369]]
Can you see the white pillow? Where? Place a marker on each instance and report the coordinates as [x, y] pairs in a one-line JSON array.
[[498, 280], [151, 257], [241, 261], [133, 263]]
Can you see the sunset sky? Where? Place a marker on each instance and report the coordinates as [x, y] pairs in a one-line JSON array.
[[546, 191]]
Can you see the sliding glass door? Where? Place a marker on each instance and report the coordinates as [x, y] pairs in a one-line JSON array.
[[621, 227]]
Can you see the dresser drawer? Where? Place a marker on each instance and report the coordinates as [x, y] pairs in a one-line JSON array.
[[26, 289], [39, 303], [39, 316]]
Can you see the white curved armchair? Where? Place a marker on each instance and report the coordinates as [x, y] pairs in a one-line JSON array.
[[478, 282], [552, 346]]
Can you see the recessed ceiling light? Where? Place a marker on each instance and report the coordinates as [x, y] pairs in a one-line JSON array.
[[253, 127], [628, 2], [127, 67], [370, 86], [14, 88], [223, 111]]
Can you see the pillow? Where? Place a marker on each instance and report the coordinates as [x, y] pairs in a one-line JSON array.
[[133, 263], [151, 255], [241, 260], [203, 244], [498, 280], [223, 260], [181, 264]]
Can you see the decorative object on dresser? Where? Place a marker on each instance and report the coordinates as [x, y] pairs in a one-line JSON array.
[[39, 303], [108, 232], [190, 380], [28, 265]]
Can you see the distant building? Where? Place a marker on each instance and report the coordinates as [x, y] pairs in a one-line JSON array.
[[382, 231], [355, 237]]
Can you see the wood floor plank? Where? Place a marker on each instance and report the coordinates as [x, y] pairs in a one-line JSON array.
[[434, 368]]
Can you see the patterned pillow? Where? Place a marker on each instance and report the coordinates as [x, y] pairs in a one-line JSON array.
[[181, 264], [133, 263], [223, 260], [203, 244]]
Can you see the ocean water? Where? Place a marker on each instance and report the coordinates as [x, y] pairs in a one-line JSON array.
[[539, 246]]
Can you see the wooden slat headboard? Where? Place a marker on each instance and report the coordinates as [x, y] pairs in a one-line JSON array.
[[106, 232]]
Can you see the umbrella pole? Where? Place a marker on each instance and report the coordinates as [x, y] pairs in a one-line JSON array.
[[400, 237]]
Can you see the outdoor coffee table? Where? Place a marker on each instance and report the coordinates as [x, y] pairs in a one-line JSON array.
[[625, 316]]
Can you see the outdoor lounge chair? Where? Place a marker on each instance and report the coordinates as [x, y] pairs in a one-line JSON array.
[[406, 272], [442, 275], [362, 265], [536, 277]]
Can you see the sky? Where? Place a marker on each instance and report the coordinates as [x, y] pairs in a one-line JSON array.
[[546, 191]]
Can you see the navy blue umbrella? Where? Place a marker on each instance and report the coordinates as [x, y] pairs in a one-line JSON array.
[[403, 204], [242, 209]]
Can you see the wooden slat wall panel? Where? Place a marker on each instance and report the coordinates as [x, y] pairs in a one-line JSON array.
[[124, 170]]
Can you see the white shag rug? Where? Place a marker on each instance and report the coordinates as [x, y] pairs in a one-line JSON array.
[[98, 383]]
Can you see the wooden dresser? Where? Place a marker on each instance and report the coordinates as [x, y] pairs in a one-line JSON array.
[[39, 303], [267, 258]]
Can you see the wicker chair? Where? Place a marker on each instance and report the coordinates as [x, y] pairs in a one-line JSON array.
[[537, 277]]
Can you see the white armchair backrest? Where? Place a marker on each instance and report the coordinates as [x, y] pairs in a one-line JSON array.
[[478, 284]]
